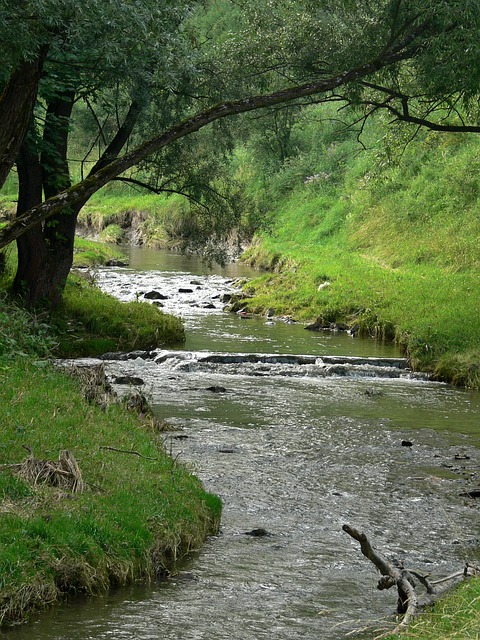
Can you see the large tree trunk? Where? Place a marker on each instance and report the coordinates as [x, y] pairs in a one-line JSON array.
[[32, 250], [45, 255], [16, 107]]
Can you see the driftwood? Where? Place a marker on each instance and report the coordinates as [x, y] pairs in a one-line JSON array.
[[395, 574]]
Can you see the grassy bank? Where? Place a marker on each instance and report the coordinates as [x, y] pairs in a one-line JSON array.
[[88, 322], [387, 245], [455, 617], [140, 510], [137, 511]]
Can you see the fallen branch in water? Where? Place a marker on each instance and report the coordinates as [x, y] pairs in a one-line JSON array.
[[395, 574]]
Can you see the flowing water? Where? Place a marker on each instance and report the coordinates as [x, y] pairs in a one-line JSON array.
[[299, 433]]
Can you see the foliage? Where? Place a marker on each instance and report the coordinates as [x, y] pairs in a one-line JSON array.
[[23, 333], [394, 233]]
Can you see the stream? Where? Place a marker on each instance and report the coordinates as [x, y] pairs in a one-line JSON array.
[[298, 432]]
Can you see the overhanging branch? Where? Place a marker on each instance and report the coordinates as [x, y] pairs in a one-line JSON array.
[[83, 190]]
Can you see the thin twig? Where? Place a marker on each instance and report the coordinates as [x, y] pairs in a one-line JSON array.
[[134, 453]]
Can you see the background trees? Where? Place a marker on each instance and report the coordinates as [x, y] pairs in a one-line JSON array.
[[149, 75]]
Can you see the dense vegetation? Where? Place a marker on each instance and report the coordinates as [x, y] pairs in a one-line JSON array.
[[356, 224], [394, 231]]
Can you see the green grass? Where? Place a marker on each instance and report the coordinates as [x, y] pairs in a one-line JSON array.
[[158, 221], [91, 322], [399, 244], [455, 617], [88, 253], [138, 514]]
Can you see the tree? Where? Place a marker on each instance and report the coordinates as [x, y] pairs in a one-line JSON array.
[[338, 47], [80, 65]]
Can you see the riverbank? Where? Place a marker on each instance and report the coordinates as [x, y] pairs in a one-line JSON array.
[[131, 513], [454, 617], [131, 510]]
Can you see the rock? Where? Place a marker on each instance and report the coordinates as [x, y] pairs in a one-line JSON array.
[[195, 282], [128, 380], [216, 389], [185, 290], [155, 295], [471, 494], [315, 326], [407, 443], [225, 450], [225, 297], [116, 263], [270, 312], [257, 533], [157, 303], [130, 355], [323, 285], [209, 305]]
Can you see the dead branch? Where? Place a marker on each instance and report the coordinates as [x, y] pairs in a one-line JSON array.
[[393, 575], [134, 453]]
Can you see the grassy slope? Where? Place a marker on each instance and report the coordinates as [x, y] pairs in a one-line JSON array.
[[399, 245], [455, 617], [138, 514]]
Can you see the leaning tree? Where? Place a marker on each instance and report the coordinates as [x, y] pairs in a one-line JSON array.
[[365, 53]]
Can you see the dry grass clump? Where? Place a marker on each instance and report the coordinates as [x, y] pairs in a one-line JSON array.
[[63, 473]]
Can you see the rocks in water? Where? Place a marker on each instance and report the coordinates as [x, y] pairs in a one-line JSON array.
[[475, 493], [185, 290], [407, 443], [336, 327], [208, 305], [225, 450], [129, 380], [116, 263], [216, 389], [131, 355], [257, 533], [225, 297], [270, 312], [155, 295], [157, 303], [196, 283]]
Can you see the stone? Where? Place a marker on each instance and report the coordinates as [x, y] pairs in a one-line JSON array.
[[128, 380], [155, 295]]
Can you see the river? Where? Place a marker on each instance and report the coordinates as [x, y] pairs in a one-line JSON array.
[[296, 447]]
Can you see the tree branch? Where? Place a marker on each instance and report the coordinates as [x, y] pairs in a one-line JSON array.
[[97, 179]]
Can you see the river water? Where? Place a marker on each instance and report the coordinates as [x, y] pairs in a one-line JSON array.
[[296, 447]]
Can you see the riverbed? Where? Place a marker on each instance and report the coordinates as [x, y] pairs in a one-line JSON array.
[[299, 433]]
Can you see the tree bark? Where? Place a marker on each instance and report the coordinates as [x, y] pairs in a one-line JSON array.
[[45, 254], [32, 250], [16, 108]]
